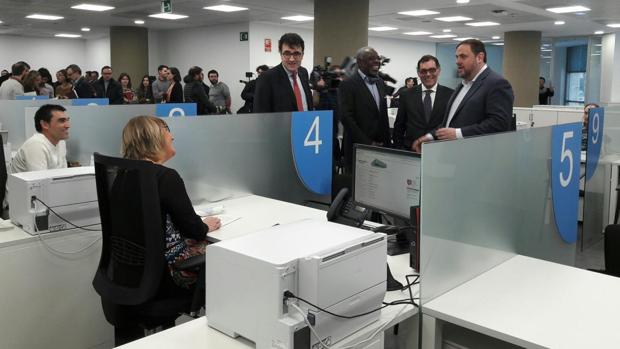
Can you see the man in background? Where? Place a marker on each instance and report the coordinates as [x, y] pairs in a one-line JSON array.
[[81, 87], [544, 93], [248, 91], [160, 86], [107, 87], [219, 93], [13, 85]]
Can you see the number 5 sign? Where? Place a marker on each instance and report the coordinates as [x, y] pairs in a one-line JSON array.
[[311, 141], [565, 157]]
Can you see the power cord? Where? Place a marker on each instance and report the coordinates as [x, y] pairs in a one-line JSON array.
[[34, 198], [48, 246], [289, 294]]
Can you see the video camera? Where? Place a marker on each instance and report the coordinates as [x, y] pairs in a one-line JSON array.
[[248, 75], [331, 78]]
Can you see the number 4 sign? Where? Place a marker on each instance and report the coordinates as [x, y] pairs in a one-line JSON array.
[[565, 157], [311, 141]]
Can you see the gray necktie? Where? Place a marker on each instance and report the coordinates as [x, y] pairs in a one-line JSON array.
[[428, 105]]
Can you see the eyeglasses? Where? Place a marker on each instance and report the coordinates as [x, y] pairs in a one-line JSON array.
[[289, 54], [165, 127], [431, 71]]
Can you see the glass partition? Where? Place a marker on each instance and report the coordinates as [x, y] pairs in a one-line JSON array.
[[12, 117], [484, 200]]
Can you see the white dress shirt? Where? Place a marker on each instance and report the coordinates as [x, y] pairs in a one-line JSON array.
[[374, 90], [459, 98], [433, 94], [301, 87]]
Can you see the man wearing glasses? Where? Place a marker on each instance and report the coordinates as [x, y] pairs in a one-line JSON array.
[[423, 107], [285, 88]]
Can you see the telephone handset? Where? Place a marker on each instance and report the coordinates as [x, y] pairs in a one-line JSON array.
[[344, 211]]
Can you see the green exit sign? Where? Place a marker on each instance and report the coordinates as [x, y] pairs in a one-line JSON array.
[[166, 6], [244, 36]]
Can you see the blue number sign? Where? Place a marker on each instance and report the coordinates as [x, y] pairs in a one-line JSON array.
[[565, 158], [31, 98], [90, 101], [176, 109], [596, 121], [311, 141]]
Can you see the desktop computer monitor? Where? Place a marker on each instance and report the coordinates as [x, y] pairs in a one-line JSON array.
[[386, 180]]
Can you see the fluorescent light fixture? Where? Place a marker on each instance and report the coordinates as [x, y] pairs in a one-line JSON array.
[[225, 8], [482, 24], [92, 7], [595, 54], [496, 37], [568, 9], [453, 19], [598, 45], [382, 29], [298, 18], [498, 44], [66, 35], [545, 57], [462, 1], [447, 30], [171, 16], [85, 29], [559, 22], [546, 50], [44, 17], [418, 33], [138, 21], [614, 25], [599, 32], [443, 36], [462, 39], [418, 13]]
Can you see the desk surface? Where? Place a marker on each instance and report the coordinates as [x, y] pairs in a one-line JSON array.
[[536, 304], [257, 213], [196, 333]]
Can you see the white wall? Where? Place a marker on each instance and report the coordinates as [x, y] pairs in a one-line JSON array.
[[216, 47], [51, 53], [610, 69], [403, 54], [261, 31], [97, 54]]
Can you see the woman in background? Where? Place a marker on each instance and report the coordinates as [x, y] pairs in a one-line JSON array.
[[45, 88], [129, 96], [31, 83], [64, 89], [175, 90], [144, 92], [149, 138]]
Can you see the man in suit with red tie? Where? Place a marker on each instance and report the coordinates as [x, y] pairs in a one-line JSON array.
[[362, 105], [422, 108], [284, 88], [482, 104]]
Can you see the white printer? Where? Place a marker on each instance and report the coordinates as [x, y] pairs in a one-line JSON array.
[[338, 268], [70, 192]]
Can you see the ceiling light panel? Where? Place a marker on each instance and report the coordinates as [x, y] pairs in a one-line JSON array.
[[418, 33], [481, 24], [614, 25], [453, 19], [138, 21], [381, 29], [85, 29], [559, 22], [225, 8], [92, 7], [44, 17], [443, 36], [568, 9], [298, 18], [418, 13], [170, 16], [67, 35]]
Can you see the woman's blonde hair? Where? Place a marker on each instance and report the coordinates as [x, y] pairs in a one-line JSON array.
[[143, 138]]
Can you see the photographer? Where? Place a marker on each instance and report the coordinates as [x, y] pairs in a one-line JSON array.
[[248, 91], [325, 83]]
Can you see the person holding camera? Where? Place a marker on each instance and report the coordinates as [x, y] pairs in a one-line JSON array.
[[248, 91]]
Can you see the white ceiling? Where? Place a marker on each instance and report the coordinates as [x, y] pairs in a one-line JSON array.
[[514, 15]]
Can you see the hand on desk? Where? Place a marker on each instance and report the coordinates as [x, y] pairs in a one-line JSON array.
[[213, 223], [446, 133]]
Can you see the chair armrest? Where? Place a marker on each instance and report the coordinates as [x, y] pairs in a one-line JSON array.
[[193, 262]]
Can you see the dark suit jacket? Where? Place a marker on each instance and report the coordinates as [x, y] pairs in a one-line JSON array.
[[176, 96], [114, 92], [362, 121], [84, 89], [274, 92], [486, 108], [411, 122]]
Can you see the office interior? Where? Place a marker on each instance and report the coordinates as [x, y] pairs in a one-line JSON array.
[[507, 231]]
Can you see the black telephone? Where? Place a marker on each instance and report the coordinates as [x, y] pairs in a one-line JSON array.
[[344, 211]]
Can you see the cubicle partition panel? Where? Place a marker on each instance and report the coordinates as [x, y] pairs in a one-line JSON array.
[[603, 179], [218, 156], [12, 117], [485, 200]]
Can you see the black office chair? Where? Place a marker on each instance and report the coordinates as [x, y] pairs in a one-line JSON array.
[[137, 292], [612, 250]]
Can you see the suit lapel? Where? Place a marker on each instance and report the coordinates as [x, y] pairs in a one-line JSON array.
[[471, 91], [362, 85], [285, 80]]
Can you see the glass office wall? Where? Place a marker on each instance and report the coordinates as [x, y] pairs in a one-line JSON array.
[[484, 200]]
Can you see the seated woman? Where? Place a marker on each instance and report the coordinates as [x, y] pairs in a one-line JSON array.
[[149, 138]]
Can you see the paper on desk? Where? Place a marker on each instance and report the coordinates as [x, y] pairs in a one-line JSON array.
[[226, 219]]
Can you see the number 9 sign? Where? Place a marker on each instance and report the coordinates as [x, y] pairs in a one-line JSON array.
[[596, 121], [565, 157]]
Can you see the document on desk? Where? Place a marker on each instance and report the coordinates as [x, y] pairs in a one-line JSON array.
[[226, 219]]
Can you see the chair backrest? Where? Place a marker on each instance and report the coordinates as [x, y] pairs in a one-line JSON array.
[[612, 250], [3, 174], [132, 258]]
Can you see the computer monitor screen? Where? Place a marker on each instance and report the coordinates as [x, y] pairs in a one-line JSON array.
[[386, 180]]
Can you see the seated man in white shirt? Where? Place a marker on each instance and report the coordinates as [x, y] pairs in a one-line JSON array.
[[46, 149]]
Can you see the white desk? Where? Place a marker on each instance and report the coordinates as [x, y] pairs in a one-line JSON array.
[[47, 298], [197, 334], [534, 304], [257, 213]]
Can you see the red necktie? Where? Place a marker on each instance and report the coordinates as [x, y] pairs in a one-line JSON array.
[[297, 91]]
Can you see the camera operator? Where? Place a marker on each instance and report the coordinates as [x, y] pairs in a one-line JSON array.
[[325, 83], [248, 91]]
